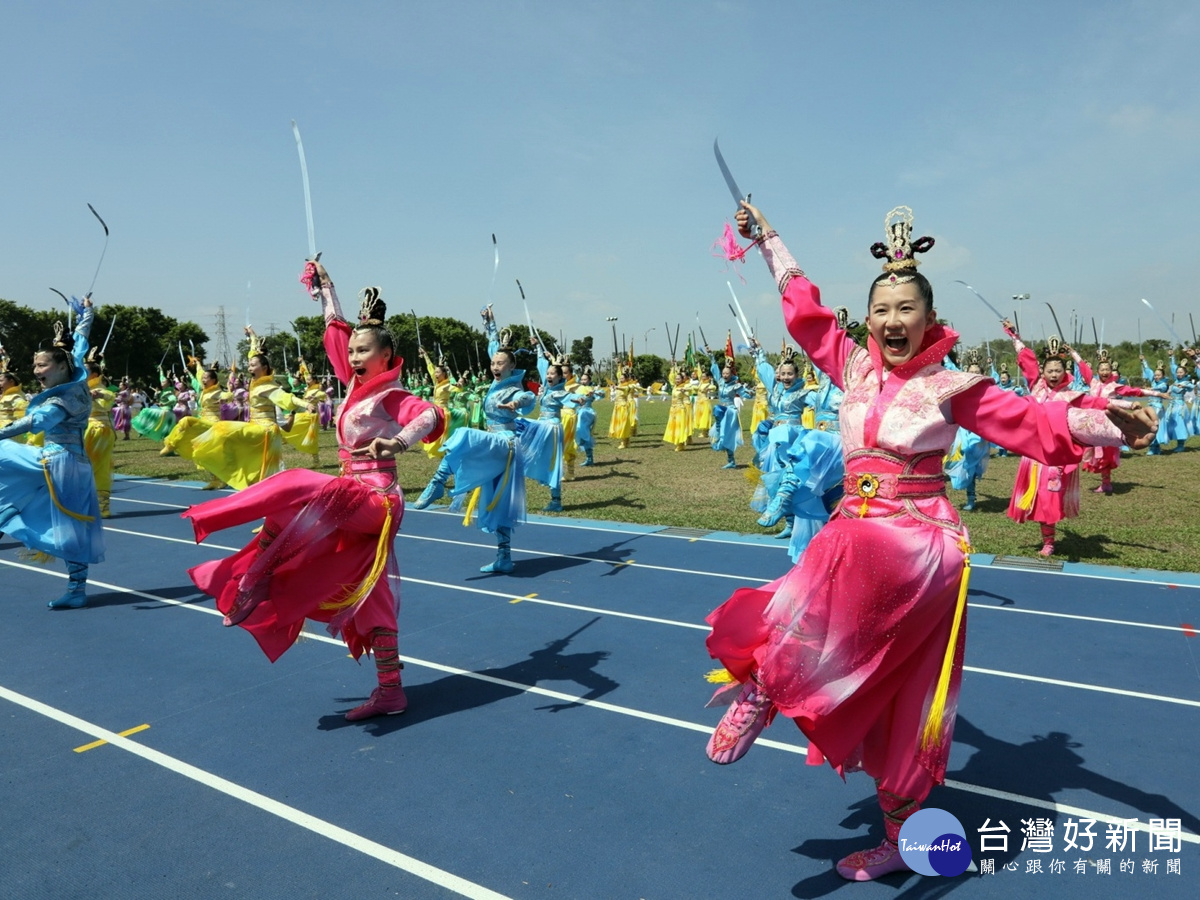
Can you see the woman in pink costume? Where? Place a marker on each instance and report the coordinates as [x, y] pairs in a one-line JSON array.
[[1105, 460], [861, 643], [1046, 493], [325, 549]]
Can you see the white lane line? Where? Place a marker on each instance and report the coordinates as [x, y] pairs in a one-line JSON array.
[[1078, 685], [148, 502], [404, 579], [798, 749], [625, 531], [1069, 810], [454, 587], [173, 540], [1128, 579], [289, 814], [1057, 615], [617, 563], [1057, 682], [434, 511]]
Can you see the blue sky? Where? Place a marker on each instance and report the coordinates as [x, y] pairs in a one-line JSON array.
[[1050, 148]]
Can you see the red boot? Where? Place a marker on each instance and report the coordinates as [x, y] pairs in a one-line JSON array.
[[388, 699]]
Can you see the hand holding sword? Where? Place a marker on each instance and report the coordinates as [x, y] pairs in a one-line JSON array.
[[750, 217]]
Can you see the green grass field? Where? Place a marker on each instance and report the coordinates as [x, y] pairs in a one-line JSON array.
[[1144, 524]]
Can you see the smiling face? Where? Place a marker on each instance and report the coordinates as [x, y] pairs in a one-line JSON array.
[[729, 373], [49, 371], [554, 376], [787, 374], [208, 379], [368, 358], [1104, 370], [897, 318]]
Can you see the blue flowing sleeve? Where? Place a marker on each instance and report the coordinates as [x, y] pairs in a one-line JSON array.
[[493, 336], [766, 372], [83, 331], [43, 417]]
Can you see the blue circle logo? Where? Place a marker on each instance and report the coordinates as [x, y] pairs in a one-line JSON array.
[[933, 842]]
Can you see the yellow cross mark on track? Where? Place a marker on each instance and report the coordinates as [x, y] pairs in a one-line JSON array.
[[94, 744], [519, 599]]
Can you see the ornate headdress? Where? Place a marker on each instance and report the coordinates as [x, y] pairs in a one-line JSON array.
[[62, 339], [1003, 368], [372, 310], [843, 317], [1054, 350], [506, 340], [94, 358], [972, 357], [787, 356], [1102, 357], [899, 253], [562, 360]]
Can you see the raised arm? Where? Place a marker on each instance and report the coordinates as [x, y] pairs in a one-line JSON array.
[[83, 330], [766, 372], [813, 326], [337, 330]]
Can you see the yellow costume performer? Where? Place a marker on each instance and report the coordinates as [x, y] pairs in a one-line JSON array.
[[621, 425], [244, 453], [100, 438], [679, 420], [761, 412], [12, 398], [570, 420], [443, 387], [187, 430], [305, 431], [702, 409]]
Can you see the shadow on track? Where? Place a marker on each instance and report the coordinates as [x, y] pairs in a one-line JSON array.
[[457, 693]]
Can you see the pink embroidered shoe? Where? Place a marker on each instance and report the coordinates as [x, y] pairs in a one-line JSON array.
[[867, 865], [741, 725], [384, 701], [1047, 549]]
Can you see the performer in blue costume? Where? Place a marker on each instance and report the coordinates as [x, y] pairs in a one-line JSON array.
[[1157, 381], [488, 466], [786, 401], [1176, 423], [542, 441], [968, 458], [726, 431], [806, 481], [48, 496], [1004, 381]]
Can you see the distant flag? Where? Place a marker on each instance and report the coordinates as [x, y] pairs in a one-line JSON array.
[[729, 346]]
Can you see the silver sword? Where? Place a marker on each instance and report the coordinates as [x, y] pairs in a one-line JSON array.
[[738, 196]]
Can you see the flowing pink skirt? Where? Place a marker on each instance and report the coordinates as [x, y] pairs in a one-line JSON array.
[[850, 642], [1055, 498], [318, 542]]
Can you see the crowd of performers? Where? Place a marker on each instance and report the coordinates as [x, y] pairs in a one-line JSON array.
[[861, 643]]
